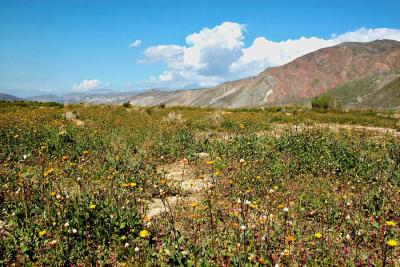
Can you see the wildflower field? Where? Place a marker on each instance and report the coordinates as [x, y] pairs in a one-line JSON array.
[[127, 186]]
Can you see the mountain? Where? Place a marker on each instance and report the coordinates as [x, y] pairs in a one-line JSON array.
[[45, 98], [379, 91], [302, 79], [96, 96], [7, 97], [295, 82]]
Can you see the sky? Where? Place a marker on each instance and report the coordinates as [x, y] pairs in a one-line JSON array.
[[59, 47]]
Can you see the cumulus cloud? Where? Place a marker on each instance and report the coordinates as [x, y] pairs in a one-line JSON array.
[[172, 55], [214, 55], [87, 85], [205, 60], [135, 43], [368, 35], [211, 51], [166, 76], [264, 53]]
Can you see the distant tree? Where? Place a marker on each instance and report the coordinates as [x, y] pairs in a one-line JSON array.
[[126, 104], [322, 102]]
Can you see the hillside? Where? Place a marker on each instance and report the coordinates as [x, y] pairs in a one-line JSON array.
[[7, 97], [379, 91], [301, 79], [87, 97], [295, 82]]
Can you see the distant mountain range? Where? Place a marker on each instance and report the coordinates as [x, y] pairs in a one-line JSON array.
[[7, 97], [355, 74], [86, 97]]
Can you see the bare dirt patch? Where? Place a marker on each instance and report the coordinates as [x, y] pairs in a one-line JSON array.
[[182, 176]]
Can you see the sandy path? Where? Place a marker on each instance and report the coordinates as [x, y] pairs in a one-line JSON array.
[[180, 175]]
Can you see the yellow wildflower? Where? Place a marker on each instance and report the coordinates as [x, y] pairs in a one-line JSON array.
[[132, 184], [42, 233], [53, 194], [194, 204], [318, 235], [144, 233], [286, 253], [290, 238], [210, 162], [253, 206], [391, 243], [92, 206], [390, 223], [48, 172]]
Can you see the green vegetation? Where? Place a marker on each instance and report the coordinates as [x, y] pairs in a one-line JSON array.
[[7, 105], [78, 189], [379, 91], [322, 102]]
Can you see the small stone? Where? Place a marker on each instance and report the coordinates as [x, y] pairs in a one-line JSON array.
[[203, 155]]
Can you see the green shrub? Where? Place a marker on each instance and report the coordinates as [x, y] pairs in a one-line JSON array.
[[322, 102], [126, 104]]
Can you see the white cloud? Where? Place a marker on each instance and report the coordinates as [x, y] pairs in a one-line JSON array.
[[87, 85], [126, 84], [264, 53], [172, 55], [165, 76], [214, 55], [368, 35], [135, 43], [205, 59], [211, 51]]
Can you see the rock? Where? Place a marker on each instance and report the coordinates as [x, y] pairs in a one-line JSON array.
[[203, 155]]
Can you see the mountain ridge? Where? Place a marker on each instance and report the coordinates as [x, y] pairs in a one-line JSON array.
[[297, 81], [8, 97], [301, 79]]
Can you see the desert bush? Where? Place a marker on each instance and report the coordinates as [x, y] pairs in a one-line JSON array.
[[126, 104], [174, 117], [322, 102], [70, 115], [216, 118]]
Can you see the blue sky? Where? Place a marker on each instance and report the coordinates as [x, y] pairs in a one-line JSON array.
[[63, 46]]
